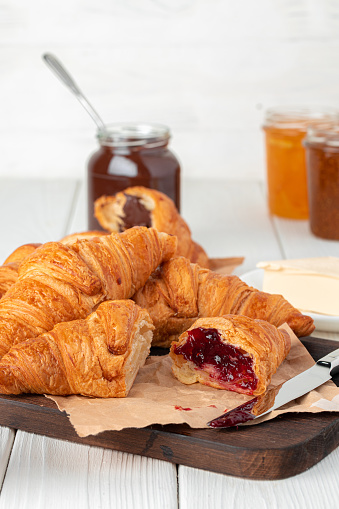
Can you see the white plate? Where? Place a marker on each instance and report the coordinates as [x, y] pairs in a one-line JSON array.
[[324, 323]]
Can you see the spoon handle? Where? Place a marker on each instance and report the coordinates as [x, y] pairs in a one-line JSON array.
[[55, 65]]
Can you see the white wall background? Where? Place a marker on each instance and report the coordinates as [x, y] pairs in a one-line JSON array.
[[207, 68]]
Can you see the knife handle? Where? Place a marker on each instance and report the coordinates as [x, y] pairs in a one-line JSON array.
[[331, 361]]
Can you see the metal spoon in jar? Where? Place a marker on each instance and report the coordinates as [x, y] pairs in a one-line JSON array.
[[54, 64]]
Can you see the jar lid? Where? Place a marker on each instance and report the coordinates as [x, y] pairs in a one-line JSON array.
[[326, 136], [294, 117], [133, 135]]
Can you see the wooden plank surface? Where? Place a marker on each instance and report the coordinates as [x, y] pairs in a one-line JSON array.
[[229, 219], [297, 241], [6, 442], [44, 472], [295, 238], [33, 211], [315, 488]]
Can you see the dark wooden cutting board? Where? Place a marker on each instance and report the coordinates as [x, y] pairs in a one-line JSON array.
[[276, 449]]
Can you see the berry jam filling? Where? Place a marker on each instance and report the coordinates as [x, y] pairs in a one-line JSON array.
[[239, 415], [225, 363]]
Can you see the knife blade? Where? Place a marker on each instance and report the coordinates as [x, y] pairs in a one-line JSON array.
[[322, 371]]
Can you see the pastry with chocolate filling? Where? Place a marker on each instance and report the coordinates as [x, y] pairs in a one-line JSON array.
[[140, 206], [230, 352]]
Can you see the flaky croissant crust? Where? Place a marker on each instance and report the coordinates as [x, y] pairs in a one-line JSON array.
[[10, 267], [59, 283], [180, 292], [87, 235], [9, 270], [98, 356], [109, 211], [266, 345]]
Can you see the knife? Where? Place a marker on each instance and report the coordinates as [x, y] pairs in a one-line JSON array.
[[323, 370]]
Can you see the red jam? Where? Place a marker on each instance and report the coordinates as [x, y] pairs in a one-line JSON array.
[[225, 363], [132, 155], [239, 415]]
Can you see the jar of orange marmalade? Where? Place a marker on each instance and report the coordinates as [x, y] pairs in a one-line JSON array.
[[322, 162], [285, 130]]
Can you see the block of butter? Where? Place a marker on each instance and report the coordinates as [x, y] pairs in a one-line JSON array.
[[309, 284]]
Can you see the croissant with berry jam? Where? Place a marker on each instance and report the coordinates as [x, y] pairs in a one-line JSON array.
[[148, 207], [230, 352]]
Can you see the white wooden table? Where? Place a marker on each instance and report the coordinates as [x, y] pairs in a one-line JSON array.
[[229, 219]]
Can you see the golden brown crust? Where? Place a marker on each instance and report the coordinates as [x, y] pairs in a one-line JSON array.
[[21, 253], [59, 283], [109, 211], [258, 339], [180, 292], [98, 356], [8, 276], [90, 234], [9, 270], [197, 254]]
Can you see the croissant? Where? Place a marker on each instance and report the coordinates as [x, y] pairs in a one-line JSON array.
[[9, 270], [59, 283], [147, 207], [73, 237], [231, 352], [98, 356], [179, 292]]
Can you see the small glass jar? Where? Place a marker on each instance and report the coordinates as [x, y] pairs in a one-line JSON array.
[[322, 161], [285, 128], [132, 155]]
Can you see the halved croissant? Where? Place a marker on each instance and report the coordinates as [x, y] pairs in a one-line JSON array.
[[59, 283], [180, 292], [148, 207], [98, 356], [231, 352]]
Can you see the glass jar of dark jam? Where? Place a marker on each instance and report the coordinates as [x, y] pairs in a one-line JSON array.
[[132, 155], [322, 163]]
